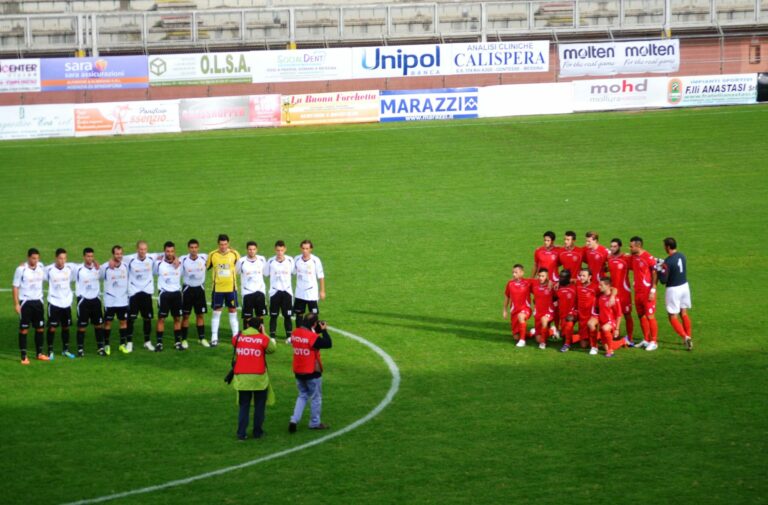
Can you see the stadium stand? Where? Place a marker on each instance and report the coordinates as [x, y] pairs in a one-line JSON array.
[[60, 27]]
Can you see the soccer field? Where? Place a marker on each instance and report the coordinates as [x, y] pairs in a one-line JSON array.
[[418, 226]]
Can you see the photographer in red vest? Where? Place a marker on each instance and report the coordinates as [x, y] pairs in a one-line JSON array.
[[307, 340], [251, 379]]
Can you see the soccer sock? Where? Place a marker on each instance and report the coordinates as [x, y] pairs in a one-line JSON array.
[[81, 338], [201, 331], [130, 326], [288, 324], [99, 332], [299, 318], [607, 338], [678, 326], [568, 332], [629, 325], [51, 336], [147, 330], [184, 332], [272, 326], [123, 335], [687, 324], [159, 337], [39, 341], [106, 334], [592, 337], [215, 320], [654, 324], [646, 328], [177, 335], [65, 339], [233, 323], [23, 344]]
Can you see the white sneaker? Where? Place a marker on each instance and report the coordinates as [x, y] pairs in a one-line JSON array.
[[129, 347], [593, 351], [532, 332], [643, 344], [542, 345], [214, 342], [148, 346], [520, 343], [185, 344], [652, 346], [688, 343], [204, 343]]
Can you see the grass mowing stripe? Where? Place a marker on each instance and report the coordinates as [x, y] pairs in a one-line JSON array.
[[393, 388]]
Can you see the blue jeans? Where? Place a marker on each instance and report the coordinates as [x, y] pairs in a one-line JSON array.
[[312, 390], [259, 402]]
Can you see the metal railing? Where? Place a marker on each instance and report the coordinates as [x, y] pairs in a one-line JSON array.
[[375, 23]]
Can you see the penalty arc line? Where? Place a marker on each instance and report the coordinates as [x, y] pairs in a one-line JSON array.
[[393, 388]]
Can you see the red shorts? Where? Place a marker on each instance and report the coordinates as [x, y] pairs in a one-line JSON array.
[[513, 317], [612, 323], [550, 314], [643, 306], [624, 298]]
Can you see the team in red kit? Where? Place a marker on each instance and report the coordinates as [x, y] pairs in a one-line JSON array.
[[584, 294]]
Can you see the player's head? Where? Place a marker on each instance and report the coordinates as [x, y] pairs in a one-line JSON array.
[[565, 277], [549, 238], [616, 246], [280, 248], [170, 250], [570, 238], [141, 248], [585, 276], [117, 253], [591, 239], [88, 255], [605, 285], [636, 245], [309, 321], [542, 276], [670, 244], [61, 257], [306, 248], [256, 323], [33, 256], [518, 271], [252, 248], [193, 246], [223, 242]]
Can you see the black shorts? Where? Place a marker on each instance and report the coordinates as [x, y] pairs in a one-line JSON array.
[[59, 316], [280, 302], [89, 310], [120, 312], [140, 303], [193, 297], [31, 314], [300, 306], [254, 304], [169, 303]]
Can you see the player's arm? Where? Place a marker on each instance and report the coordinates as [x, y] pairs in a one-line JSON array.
[[322, 288], [320, 276], [654, 281], [506, 306], [535, 265], [209, 262], [16, 304]]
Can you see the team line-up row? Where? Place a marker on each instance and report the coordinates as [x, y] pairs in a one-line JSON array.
[[126, 283], [589, 286]]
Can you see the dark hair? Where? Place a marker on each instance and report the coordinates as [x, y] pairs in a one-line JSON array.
[[518, 265], [60, 250], [223, 236], [192, 241], [116, 247], [168, 244], [543, 270], [617, 240], [255, 322], [279, 243], [550, 234], [307, 241], [251, 243], [565, 277], [32, 251], [571, 234], [87, 250], [670, 242], [309, 321], [592, 234], [636, 239], [606, 280], [585, 269]]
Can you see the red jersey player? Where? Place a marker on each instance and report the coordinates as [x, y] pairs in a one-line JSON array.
[[547, 257], [619, 265], [586, 300], [543, 298], [566, 297], [517, 298], [609, 316], [595, 256], [644, 275], [570, 256]]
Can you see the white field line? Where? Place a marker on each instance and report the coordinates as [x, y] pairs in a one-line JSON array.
[[393, 388]]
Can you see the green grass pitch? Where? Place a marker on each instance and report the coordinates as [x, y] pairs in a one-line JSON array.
[[418, 226]]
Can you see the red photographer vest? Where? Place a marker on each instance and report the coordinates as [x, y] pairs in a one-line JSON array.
[[306, 359], [250, 353]]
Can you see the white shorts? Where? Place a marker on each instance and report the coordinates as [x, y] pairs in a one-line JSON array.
[[677, 297]]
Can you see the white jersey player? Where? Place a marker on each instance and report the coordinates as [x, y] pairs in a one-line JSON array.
[[193, 293], [115, 276], [60, 276], [308, 270], [88, 292], [279, 269], [141, 287], [251, 269], [168, 271], [28, 302]]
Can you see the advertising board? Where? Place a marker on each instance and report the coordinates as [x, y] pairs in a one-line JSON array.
[[36, 121], [712, 90], [105, 72], [525, 99], [127, 118], [426, 104], [216, 113], [18, 76], [200, 69], [611, 58], [331, 108], [611, 94], [302, 65]]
